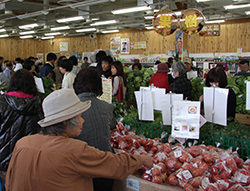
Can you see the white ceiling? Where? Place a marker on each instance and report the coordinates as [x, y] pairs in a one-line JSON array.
[[45, 13]]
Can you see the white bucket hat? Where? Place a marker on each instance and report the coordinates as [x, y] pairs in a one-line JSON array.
[[62, 105]]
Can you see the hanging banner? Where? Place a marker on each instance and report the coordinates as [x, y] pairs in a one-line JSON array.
[[165, 22], [115, 45], [125, 45], [138, 45], [192, 21], [179, 42]]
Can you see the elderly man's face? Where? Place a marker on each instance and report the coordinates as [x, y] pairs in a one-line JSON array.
[[77, 130], [244, 67]]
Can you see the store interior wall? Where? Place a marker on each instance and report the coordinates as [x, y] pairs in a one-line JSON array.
[[233, 36]]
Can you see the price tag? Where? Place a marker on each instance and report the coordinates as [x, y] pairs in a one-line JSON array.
[[186, 174], [243, 178], [195, 165], [179, 175], [223, 183], [177, 153], [205, 182], [133, 184]]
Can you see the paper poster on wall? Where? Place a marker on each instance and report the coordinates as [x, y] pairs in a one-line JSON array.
[[40, 56], [107, 90], [115, 45], [125, 45], [239, 52], [186, 119], [63, 46], [138, 45], [179, 42], [248, 96]]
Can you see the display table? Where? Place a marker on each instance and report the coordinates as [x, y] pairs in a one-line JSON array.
[[135, 183]]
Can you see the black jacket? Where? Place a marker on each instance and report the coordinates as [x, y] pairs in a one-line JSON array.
[[18, 118], [182, 85]]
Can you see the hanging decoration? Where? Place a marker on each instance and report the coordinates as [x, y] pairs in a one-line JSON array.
[[192, 21], [165, 22]]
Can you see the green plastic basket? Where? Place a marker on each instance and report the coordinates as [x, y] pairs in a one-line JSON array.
[[152, 131]]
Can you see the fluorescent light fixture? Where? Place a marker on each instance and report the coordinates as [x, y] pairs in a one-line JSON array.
[[156, 10], [149, 28], [131, 10], [86, 30], [2, 30], [70, 19], [28, 36], [178, 13], [199, 1], [33, 14], [60, 28], [47, 37], [104, 23], [95, 19], [215, 21], [4, 35], [52, 34], [149, 17], [28, 26], [110, 31], [87, 3], [236, 6], [247, 12], [27, 32]]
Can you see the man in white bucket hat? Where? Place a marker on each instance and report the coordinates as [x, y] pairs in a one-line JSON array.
[[54, 161]]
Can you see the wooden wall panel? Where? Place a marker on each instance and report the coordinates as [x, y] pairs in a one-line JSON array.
[[233, 36]]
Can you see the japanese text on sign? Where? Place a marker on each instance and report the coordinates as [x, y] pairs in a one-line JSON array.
[[165, 21], [190, 21]]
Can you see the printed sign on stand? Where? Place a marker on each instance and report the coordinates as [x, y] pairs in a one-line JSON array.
[[107, 90], [215, 105], [248, 96], [167, 101], [186, 119]]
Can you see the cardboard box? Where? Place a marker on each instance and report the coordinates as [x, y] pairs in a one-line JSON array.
[[135, 183], [243, 118]]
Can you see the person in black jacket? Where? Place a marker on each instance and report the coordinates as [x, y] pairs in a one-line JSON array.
[[181, 85], [20, 110]]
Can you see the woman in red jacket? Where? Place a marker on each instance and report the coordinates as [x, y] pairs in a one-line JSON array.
[[160, 79]]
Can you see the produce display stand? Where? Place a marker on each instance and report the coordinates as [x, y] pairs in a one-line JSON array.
[[138, 184], [243, 118], [152, 131]]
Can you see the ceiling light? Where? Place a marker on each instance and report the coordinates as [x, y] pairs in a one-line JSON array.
[[28, 36], [95, 19], [110, 31], [70, 19], [86, 30], [156, 10], [33, 14], [131, 10], [178, 13], [60, 28], [52, 34], [149, 28], [87, 3], [2, 30], [199, 1], [215, 21], [247, 12], [236, 6], [27, 32], [28, 26], [149, 17], [4, 35], [104, 23], [47, 37]]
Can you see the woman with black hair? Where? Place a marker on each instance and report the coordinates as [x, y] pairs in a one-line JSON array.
[[75, 68], [20, 110], [99, 118], [59, 75], [217, 77], [119, 81], [69, 77]]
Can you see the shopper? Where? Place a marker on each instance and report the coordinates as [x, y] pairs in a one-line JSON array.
[[160, 79], [191, 74], [136, 66], [20, 110], [1, 63], [181, 85], [218, 78], [4, 81], [96, 130], [19, 64], [59, 75], [244, 68], [68, 76], [75, 68], [30, 66], [48, 67], [119, 82], [106, 66], [8, 69], [99, 56], [85, 64], [54, 161]]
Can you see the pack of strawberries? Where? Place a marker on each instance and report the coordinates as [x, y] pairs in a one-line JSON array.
[[196, 167]]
